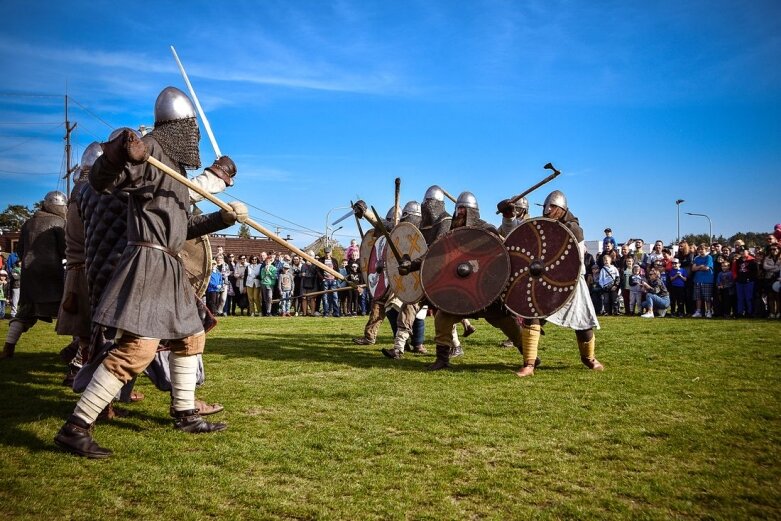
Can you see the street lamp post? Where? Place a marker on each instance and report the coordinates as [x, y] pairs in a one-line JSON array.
[[331, 241], [327, 219], [710, 224], [678, 205]]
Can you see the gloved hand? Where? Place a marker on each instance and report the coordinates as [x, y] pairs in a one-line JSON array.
[[125, 148], [405, 265], [360, 208], [224, 168], [506, 208], [238, 213]]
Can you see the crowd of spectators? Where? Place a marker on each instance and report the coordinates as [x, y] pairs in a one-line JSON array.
[[698, 281], [284, 284]]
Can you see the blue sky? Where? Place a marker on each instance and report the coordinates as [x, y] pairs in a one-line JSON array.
[[637, 103]]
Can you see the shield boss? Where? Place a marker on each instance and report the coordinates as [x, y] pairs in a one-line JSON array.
[[465, 270], [544, 267]]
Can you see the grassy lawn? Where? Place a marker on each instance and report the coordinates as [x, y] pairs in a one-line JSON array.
[[684, 423]]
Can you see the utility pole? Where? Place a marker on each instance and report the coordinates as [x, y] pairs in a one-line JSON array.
[[68, 130]]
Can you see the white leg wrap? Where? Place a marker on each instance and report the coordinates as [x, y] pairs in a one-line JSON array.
[[99, 393], [184, 372]]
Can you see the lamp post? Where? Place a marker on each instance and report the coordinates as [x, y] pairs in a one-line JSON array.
[[327, 219], [710, 224], [331, 240], [678, 205]]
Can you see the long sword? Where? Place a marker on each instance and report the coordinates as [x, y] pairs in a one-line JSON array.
[[197, 104]]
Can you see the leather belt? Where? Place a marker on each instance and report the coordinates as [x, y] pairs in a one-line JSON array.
[[155, 247], [76, 266]]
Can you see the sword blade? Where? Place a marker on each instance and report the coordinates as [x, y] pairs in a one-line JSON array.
[[342, 218], [197, 104]]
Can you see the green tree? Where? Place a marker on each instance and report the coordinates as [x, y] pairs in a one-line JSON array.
[[13, 217], [244, 232]]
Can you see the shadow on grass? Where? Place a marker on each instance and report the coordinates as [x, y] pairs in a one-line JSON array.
[[339, 349], [30, 384]]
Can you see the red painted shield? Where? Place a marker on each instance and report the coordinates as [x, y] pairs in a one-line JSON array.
[[465, 270], [373, 252], [545, 266]]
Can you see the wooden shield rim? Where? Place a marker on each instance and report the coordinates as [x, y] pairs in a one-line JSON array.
[[203, 244], [408, 297], [369, 239], [502, 286], [573, 290]]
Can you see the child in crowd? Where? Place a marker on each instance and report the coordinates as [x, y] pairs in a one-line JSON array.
[[3, 291], [702, 267], [286, 286], [676, 279], [609, 280], [636, 289], [609, 239], [726, 286]]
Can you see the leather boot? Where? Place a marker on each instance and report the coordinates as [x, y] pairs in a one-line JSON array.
[[592, 363], [76, 437], [443, 359], [395, 354], [203, 408], [363, 341], [420, 349], [8, 350], [192, 422]]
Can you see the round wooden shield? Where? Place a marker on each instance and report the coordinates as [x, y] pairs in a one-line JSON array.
[[465, 270], [408, 240], [197, 260], [372, 252], [545, 266], [367, 243]]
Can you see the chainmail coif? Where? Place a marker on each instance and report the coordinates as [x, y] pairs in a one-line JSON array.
[[179, 139]]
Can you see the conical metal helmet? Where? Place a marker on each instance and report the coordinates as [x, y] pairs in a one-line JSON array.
[[467, 200], [522, 203], [55, 198], [173, 104], [436, 193], [555, 198], [391, 214], [411, 208], [91, 153], [118, 131]]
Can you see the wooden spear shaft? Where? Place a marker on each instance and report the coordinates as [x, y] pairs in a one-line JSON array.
[[324, 292], [249, 222]]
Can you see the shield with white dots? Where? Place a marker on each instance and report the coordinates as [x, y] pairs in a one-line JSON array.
[[545, 266]]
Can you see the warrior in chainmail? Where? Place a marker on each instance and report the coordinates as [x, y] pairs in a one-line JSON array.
[[435, 221], [149, 276], [578, 313], [42, 249]]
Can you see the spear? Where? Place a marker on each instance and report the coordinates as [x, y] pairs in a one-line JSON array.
[[249, 222]]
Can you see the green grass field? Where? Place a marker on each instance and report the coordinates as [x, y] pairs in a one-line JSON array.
[[684, 423]]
